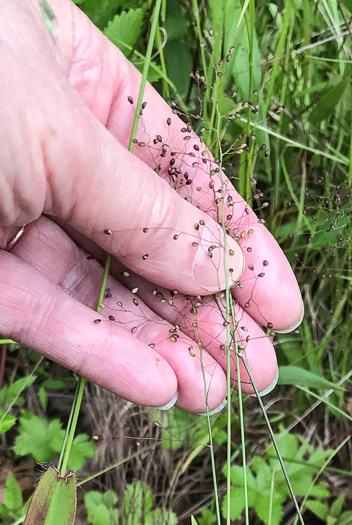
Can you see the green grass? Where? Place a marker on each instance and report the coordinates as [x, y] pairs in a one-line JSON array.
[[291, 53]]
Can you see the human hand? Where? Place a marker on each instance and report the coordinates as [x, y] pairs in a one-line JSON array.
[[66, 119]]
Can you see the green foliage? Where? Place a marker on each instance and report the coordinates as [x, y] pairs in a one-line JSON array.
[[43, 440], [331, 515], [182, 426], [136, 508], [124, 29], [206, 517], [12, 509], [101, 507], [11, 396], [267, 488], [293, 375]]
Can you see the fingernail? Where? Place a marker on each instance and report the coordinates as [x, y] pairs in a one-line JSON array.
[[208, 264], [288, 330], [217, 409], [170, 404], [269, 388]]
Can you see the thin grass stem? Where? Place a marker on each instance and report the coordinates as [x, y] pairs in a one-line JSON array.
[[272, 436]]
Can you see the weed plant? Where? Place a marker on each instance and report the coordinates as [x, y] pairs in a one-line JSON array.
[[268, 88]]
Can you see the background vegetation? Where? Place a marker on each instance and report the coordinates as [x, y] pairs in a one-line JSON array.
[[282, 72]]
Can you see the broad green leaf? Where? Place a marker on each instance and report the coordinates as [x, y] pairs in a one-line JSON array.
[[43, 398], [318, 508], [337, 506], [236, 503], [293, 375], [54, 501], [82, 448], [207, 517], [100, 507], [100, 12], [328, 102], [14, 390], [44, 439], [125, 28], [262, 508], [346, 517], [319, 491], [347, 4], [12, 493], [53, 384], [38, 437], [6, 422], [179, 63]]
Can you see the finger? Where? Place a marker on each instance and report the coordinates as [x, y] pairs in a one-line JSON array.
[[88, 179], [207, 324], [49, 250], [187, 165], [39, 314], [203, 318]]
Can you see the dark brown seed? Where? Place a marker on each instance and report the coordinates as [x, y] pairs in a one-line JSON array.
[[265, 263], [130, 100], [135, 302], [144, 105], [108, 293], [270, 325], [97, 320], [201, 222], [175, 237], [111, 318], [108, 232], [189, 181], [168, 122], [145, 256], [145, 230], [261, 274]]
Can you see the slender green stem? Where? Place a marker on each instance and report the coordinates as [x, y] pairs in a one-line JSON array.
[[322, 468], [282, 465], [211, 447], [117, 464], [68, 441], [203, 59], [148, 56], [231, 345]]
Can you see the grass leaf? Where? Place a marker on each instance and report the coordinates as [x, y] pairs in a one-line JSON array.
[[293, 375]]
